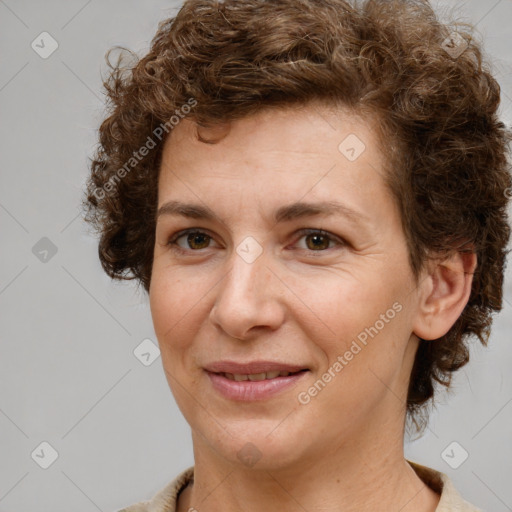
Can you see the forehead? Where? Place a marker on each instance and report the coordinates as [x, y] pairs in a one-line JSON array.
[[306, 140]]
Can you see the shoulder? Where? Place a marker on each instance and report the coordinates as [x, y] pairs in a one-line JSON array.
[[165, 499], [451, 500]]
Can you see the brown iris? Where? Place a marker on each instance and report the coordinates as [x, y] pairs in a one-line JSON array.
[[198, 240], [317, 242]]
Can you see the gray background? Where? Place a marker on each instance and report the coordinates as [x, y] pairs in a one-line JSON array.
[[68, 373]]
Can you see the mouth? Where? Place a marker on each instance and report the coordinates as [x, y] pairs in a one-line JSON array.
[[258, 380], [254, 367], [255, 377]]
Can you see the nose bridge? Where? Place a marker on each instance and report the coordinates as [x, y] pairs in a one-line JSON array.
[[243, 284], [246, 296]]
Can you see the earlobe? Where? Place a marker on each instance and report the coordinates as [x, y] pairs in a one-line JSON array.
[[444, 293]]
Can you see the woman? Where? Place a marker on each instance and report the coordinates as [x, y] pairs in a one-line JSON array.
[[314, 195]]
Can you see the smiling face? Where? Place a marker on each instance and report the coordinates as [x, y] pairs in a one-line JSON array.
[[279, 249]]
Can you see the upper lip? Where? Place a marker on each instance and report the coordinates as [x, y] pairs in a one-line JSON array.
[[252, 367]]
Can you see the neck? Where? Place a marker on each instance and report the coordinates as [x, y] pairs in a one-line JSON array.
[[345, 477]]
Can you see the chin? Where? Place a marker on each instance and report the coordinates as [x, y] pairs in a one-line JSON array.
[[259, 445]]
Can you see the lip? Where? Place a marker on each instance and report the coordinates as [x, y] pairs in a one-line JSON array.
[[249, 391]]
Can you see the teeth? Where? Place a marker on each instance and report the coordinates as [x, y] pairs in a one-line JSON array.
[[253, 377], [257, 376]]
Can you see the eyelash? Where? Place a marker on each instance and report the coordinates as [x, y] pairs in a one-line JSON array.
[[301, 232]]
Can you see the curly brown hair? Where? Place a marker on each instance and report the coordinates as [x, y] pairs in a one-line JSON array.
[[446, 152]]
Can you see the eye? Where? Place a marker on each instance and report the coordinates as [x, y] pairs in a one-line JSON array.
[[317, 240], [191, 239], [312, 240]]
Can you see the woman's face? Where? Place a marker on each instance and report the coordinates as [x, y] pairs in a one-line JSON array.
[[280, 249]]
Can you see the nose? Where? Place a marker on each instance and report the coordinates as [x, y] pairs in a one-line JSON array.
[[249, 300]]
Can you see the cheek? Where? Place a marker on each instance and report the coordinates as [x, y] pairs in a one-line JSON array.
[[341, 306], [164, 304], [173, 302], [181, 299], [367, 327]]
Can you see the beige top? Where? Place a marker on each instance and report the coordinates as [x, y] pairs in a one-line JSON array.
[[451, 501]]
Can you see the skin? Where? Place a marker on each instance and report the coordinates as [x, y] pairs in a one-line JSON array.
[[298, 304]]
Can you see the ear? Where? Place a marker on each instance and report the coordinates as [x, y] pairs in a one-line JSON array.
[[444, 293]]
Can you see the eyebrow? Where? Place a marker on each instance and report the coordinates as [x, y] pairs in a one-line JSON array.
[[286, 213]]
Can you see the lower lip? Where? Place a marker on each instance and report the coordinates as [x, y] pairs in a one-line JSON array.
[[248, 391]]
